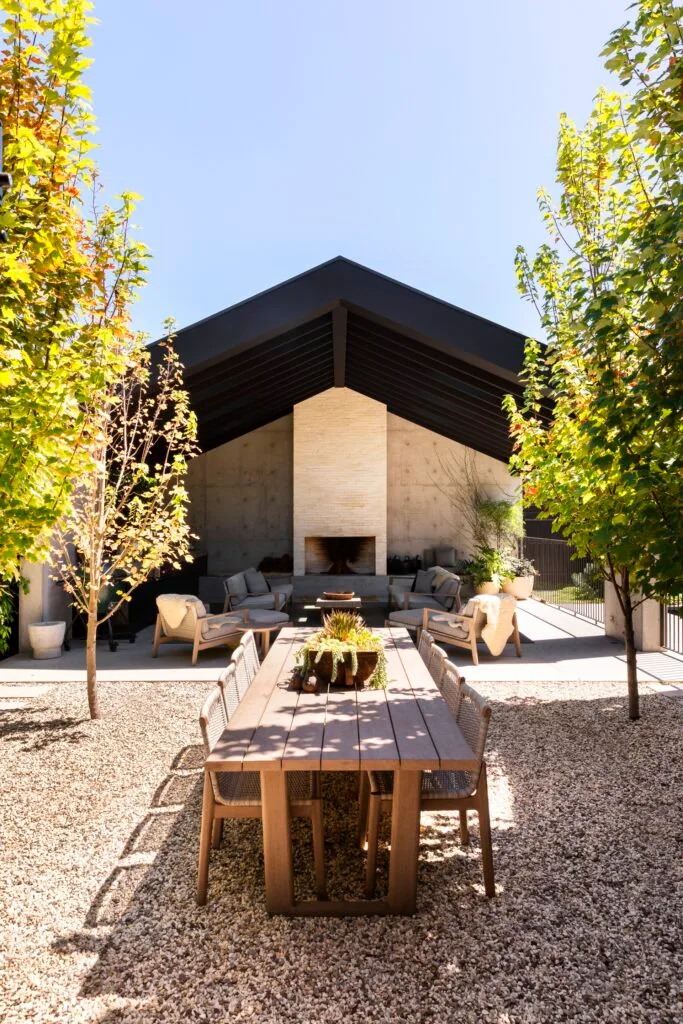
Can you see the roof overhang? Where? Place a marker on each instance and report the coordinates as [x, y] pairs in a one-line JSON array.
[[342, 325]]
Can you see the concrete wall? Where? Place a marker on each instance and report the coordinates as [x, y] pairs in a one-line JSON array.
[[46, 601], [424, 504], [386, 475], [241, 498], [340, 471]]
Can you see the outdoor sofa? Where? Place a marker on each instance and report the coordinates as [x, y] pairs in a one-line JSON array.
[[250, 589]]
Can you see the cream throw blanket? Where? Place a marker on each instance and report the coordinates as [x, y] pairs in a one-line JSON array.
[[173, 608], [498, 609]]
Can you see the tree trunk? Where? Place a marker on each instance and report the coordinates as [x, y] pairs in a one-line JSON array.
[[91, 657], [631, 665]]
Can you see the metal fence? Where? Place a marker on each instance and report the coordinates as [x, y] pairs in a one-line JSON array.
[[566, 581], [672, 624]]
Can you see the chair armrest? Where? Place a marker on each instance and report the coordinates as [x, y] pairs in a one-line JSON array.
[[229, 598], [452, 616]]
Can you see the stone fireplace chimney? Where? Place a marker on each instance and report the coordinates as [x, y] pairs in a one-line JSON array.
[[340, 473]]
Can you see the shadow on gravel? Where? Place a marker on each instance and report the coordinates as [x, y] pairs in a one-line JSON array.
[[587, 833], [43, 732]]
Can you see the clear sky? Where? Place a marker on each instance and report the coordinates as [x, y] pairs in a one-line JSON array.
[[267, 136]]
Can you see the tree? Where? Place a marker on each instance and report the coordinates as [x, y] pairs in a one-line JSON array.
[[67, 273], [129, 512], [598, 435]]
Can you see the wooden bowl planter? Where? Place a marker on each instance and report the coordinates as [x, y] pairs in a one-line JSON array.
[[324, 669]]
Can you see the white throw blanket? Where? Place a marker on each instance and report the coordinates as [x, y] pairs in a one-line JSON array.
[[498, 609], [172, 608]]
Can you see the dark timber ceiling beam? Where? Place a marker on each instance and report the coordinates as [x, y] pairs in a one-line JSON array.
[[339, 333]]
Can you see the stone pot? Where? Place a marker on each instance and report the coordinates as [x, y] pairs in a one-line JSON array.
[[367, 663], [46, 639], [488, 587], [520, 587]]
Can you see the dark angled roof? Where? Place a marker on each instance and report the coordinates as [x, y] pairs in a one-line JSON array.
[[343, 325]]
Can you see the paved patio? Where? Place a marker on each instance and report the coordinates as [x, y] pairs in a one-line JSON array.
[[559, 646]]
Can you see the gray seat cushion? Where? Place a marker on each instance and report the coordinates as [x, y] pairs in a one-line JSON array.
[[410, 617], [263, 617], [258, 601], [444, 555]]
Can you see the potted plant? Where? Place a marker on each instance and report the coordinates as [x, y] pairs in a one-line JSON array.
[[487, 570], [519, 578], [345, 651]]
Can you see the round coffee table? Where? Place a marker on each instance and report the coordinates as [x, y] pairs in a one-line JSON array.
[[263, 622]]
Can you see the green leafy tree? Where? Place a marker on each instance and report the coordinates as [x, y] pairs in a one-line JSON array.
[[598, 436], [68, 272], [129, 510]]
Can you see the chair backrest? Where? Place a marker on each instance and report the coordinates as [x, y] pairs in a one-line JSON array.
[[228, 687], [251, 658], [473, 717], [241, 671], [438, 659], [175, 624], [425, 645], [212, 720], [450, 687]]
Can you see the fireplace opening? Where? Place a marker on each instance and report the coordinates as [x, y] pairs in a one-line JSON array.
[[340, 556]]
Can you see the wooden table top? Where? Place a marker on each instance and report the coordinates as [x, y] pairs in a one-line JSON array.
[[407, 725]]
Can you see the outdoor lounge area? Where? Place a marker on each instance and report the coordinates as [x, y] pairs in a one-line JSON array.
[[341, 505]]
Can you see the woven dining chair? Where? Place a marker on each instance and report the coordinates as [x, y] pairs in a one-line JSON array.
[[227, 683], [444, 790], [238, 795], [438, 659], [425, 644], [250, 658], [242, 676]]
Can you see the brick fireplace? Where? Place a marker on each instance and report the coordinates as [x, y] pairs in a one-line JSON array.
[[340, 483]]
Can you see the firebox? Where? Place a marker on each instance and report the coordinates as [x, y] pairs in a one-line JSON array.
[[340, 556]]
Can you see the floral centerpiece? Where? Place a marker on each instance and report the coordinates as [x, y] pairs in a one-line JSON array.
[[345, 651]]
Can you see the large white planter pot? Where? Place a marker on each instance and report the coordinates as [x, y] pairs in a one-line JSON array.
[[520, 587], [46, 639], [489, 587]]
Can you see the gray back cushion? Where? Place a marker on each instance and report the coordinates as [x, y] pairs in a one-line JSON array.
[[447, 593], [444, 556], [423, 581], [237, 583], [256, 581]]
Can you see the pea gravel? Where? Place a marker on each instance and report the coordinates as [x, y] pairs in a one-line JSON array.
[[99, 826]]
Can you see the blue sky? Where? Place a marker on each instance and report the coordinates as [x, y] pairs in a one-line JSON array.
[[267, 136]]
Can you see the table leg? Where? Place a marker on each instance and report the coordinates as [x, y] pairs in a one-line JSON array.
[[265, 642], [405, 838], [277, 842]]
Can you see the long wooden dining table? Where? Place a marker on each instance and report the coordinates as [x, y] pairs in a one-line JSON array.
[[406, 728]]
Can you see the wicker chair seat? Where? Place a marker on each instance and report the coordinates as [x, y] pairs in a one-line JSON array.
[[435, 785], [245, 787]]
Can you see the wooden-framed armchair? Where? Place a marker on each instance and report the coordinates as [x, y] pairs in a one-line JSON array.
[[182, 618]]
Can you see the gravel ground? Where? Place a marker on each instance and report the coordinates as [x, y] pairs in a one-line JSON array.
[[99, 826]]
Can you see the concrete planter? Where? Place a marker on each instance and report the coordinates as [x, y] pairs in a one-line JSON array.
[[520, 587], [46, 639], [488, 587]]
